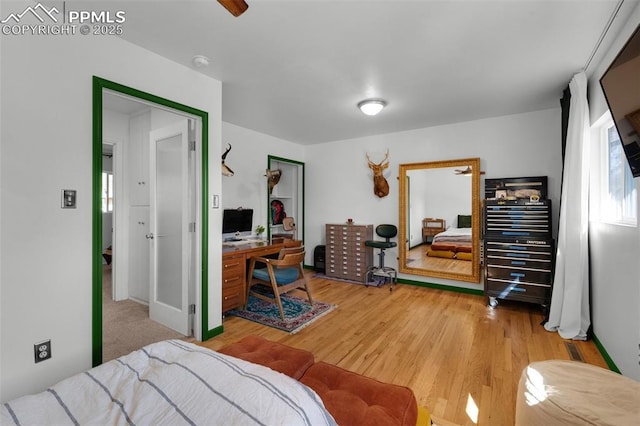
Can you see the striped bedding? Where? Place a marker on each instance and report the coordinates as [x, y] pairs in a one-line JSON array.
[[172, 383]]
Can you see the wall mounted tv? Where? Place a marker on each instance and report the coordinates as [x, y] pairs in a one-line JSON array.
[[621, 87], [237, 221]]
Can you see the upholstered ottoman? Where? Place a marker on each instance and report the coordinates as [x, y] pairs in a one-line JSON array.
[[353, 399], [282, 358], [574, 393]]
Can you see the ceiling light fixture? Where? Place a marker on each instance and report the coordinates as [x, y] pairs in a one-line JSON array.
[[372, 106], [200, 61]]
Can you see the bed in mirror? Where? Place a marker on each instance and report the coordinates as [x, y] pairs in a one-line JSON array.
[[439, 225]]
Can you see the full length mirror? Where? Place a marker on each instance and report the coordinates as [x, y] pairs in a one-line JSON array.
[[439, 230]]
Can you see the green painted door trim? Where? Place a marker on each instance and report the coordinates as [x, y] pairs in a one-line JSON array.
[[98, 85], [271, 158], [213, 332]]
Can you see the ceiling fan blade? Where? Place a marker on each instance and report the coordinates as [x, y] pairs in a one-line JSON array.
[[236, 7]]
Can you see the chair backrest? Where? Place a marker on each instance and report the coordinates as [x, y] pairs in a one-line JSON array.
[[386, 231], [292, 243], [291, 257]]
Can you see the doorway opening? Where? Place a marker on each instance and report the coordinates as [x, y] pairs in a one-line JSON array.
[[156, 191]]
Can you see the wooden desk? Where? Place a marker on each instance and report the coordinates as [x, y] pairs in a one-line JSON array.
[[234, 271]]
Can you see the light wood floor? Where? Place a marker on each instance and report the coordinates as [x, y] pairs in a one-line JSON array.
[[417, 258], [451, 349]]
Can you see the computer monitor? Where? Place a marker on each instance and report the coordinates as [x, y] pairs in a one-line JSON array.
[[236, 223]]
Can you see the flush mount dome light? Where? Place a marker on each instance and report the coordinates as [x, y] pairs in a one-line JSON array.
[[372, 106], [200, 61]]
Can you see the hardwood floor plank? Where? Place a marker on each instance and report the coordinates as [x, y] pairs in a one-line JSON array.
[[450, 348]]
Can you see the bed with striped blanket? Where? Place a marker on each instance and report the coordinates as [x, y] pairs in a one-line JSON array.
[[172, 383]]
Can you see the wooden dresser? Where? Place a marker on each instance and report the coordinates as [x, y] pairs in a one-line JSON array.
[[234, 271], [346, 256], [431, 227]]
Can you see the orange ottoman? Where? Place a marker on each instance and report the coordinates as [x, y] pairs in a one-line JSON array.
[[353, 399], [282, 358]]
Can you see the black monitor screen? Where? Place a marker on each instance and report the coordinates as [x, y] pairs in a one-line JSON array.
[[237, 220]]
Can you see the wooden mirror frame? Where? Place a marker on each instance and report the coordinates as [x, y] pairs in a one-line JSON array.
[[474, 164]]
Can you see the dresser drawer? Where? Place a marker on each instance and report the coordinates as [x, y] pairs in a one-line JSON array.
[[233, 271], [519, 274], [346, 256], [518, 218], [504, 259], [232, 264], [527, 292], [233, 281], [232, 296], [517, 245]]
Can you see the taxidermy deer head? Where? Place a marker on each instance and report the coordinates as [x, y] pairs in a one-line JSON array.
[[273, 177], [225, 169], [380, 184]]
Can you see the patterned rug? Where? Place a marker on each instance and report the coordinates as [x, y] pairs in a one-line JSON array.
[[297, 312]]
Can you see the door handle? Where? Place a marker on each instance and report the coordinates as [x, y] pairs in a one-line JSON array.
[[149, 236]]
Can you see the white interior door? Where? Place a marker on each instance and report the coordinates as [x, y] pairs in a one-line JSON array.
[[170, 217]]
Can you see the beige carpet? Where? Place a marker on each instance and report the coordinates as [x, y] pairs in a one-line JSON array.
[[126, 325]]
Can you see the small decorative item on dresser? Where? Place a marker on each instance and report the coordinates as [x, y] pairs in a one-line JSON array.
[[350, 221]]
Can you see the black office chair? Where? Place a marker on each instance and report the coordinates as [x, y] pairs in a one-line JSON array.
[[387, 232]]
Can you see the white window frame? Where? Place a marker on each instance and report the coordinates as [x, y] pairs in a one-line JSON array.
[[615, 211], [107, 190]]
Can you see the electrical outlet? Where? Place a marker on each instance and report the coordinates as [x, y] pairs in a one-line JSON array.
[[42, 351]]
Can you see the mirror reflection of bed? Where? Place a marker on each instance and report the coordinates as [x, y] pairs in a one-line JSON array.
[[439, 211], [444, 247]]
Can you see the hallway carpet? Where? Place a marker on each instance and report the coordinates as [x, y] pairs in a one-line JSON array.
[[126, 325]]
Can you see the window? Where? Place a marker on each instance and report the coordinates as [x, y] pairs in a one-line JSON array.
[[619, 194], [107, 192]]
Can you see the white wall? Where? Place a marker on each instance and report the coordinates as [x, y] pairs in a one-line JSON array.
[[614, 249], [248, 160], [45, 252], [115, 130], [339, 182]]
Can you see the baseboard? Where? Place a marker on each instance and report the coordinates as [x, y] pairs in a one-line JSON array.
[[442, 287]]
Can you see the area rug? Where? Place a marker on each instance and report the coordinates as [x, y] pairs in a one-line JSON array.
[[297, 312]]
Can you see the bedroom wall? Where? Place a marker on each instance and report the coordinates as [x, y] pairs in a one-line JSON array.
[[45, 252], [248, 159], [614, 249], [339, 183]]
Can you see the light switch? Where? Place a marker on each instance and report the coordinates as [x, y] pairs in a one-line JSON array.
[[69, 198]]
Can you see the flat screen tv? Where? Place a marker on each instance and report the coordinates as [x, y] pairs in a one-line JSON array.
[[237, 222], [621, 87]]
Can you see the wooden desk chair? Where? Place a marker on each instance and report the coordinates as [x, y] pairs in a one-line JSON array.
[[282, 275]]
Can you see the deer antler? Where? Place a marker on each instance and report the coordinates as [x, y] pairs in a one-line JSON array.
[[226, 170], [369, 159], [226, 152], [386, 156]]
